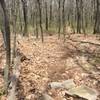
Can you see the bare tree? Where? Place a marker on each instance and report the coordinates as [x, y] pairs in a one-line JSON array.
[[63, 18], [36, 21], [59, 18], [40, 15], [14, 19], [78, 16], [82, 17], [46, 11], [97, 17], [50, 19], [7, 40], [24, 2]]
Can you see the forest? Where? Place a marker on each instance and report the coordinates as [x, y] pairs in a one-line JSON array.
[[49, 49]]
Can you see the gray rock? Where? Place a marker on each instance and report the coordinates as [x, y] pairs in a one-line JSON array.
[[56, 85], [83, 92], [65, 84], [68, 84]]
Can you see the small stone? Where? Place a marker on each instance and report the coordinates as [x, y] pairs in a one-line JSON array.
[[56, 85], [64, 85]]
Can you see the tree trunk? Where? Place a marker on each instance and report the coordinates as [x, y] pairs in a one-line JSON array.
[[7, 44], [59, 18], [24, 2], [63, 18], [36, 22], [97, 18], [50, 20], [40, 15], [82, 16], [46, 11], [14, 17], [78, 16]]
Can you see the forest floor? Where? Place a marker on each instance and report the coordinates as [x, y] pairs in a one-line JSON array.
[[77, 58]]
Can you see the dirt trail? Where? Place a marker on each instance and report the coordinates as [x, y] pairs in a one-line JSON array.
[[55, 60]]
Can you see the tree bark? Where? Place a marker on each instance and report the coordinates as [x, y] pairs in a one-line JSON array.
[[14, 19], [63, 18], [7, 43], [24, 2], [59, 18], [78, 16], [97, 18], [50, 20], [40, 15], [46, 11]]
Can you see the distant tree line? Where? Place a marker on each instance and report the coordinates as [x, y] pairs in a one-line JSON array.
[[45, 15]]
